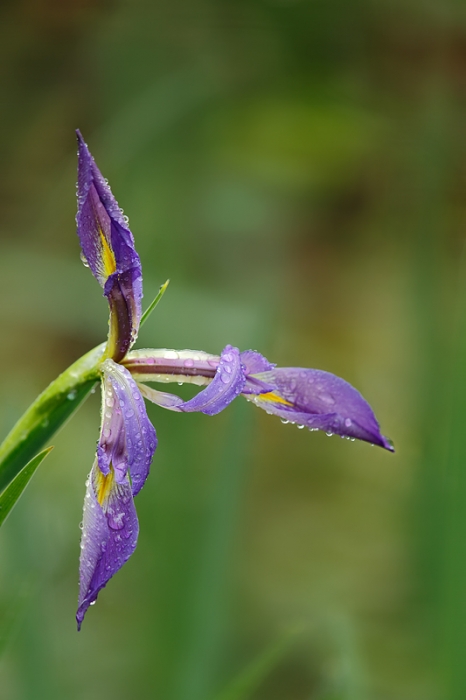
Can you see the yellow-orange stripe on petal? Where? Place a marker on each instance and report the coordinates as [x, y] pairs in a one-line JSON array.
[[108, 257], [103, 484], [272, 396]]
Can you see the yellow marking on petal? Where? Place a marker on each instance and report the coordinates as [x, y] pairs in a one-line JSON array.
[[272, 396], [108, 257], [104, 484]]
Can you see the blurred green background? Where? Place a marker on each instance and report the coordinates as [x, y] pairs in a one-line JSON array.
[[297, 168]]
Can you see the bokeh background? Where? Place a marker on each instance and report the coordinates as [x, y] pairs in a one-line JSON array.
[[297, 168]]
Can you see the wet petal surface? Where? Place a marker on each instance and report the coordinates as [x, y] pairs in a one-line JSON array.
[[109, 537], [128, 439], [320, 401], [227, 383], [108, 249]]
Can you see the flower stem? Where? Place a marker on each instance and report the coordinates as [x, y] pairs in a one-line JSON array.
[[47, 414]]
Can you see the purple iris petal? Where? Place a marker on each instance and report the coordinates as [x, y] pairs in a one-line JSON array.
[[254, 363], [320, 401], [128, 439], [108, 247], [228, 382], [110, 534]]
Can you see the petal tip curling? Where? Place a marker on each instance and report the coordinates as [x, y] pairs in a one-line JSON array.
[[387, 444]]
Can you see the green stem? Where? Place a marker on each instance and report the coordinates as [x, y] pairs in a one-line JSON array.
[[47, 414]]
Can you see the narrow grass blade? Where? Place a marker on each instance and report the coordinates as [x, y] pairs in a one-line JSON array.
[[154, 303], [13, 492], [247, 682]]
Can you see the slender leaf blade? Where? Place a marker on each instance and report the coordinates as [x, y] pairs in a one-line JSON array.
[[154, 303], [47, 414], [13, 492]]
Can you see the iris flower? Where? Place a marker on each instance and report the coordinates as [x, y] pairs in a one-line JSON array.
[[310, 398]]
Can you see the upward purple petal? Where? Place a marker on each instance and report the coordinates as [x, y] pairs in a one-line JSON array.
[[108, 247], [320, 401]]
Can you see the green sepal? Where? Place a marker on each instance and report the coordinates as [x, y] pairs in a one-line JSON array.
[[13, 492], [47, 414]]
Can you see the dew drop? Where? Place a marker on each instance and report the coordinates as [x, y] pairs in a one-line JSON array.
[[72, 395], [348, 422], [83, 259]]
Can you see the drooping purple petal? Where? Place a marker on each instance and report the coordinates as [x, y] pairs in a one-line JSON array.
[[128, 439], [227, 383], [320, 401], [109, 537], [108, 248]]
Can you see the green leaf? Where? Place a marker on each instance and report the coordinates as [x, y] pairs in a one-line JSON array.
[[154, 303], [13, 492], [244, 685], [47, 414]]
